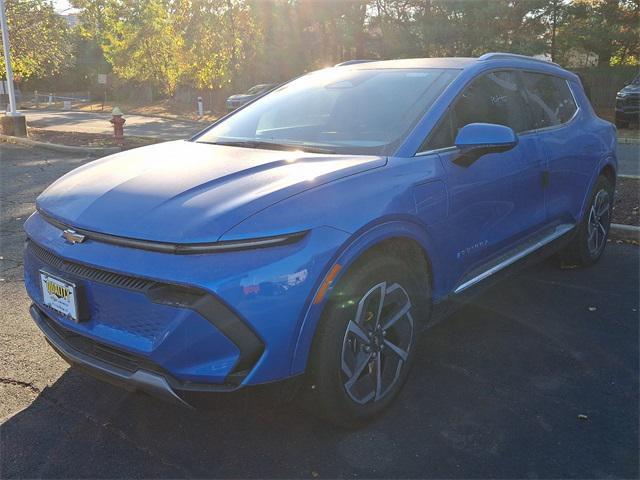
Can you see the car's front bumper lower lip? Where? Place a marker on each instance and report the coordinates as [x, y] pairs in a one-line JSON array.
[[144, 380], [153, 382]]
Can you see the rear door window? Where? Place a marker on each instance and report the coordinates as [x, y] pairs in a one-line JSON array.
[[550, 99]]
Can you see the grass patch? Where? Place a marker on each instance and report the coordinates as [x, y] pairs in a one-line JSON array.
[[80, 139], [626, 210]]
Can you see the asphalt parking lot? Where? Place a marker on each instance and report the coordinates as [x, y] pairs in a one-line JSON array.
[[536, 378]]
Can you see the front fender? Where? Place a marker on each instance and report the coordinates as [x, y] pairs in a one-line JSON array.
[[352, 249]]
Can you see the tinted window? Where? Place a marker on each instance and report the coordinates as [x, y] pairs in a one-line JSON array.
[[550, 99], [342, 110], [493, 98]]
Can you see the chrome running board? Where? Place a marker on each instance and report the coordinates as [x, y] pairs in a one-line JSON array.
[[529, 247]]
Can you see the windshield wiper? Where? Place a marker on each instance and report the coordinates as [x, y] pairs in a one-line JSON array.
[[271, 145]]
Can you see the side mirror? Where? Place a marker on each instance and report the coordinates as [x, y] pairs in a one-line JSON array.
[[477, 139]]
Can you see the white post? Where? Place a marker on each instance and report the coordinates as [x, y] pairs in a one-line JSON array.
[[7, 61], [200, 107]]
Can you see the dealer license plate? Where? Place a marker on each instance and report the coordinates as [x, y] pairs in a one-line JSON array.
[[59, 295]]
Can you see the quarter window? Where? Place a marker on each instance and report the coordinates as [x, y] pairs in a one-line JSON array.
[[550, 99], [496, 97]]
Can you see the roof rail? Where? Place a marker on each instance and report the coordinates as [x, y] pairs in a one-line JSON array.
[[499, 55], [352, 62]]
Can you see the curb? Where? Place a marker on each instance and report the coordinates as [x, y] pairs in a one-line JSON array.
[[59, 148], [625, 232], [629, 141]]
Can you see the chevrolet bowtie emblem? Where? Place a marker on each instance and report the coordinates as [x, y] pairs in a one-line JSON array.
[[72, 236]]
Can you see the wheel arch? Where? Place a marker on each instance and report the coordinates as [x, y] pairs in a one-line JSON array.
[[400, 237], [608, 168], [609, 172]]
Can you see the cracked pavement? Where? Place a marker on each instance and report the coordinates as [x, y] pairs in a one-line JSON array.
[[537, 377]]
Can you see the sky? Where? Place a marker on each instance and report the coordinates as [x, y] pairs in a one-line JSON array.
[[61, 5]]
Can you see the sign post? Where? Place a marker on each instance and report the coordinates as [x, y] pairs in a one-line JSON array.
[[102, 80], [13, 123]]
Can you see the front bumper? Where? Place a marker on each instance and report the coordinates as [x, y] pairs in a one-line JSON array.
[[220, 320], [148, 381], [628, 108]]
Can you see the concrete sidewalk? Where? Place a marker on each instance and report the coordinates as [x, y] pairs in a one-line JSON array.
[[98, 122]]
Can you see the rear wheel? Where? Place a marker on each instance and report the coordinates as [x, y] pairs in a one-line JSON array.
[[365, 343], [591, 239]]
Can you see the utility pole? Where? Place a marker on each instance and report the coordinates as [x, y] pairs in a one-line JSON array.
[[16, 123]]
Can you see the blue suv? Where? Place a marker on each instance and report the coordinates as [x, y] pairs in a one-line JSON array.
[[319, 228]]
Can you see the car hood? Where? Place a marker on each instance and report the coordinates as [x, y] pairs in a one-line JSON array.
[[187, 192], [631, 88]]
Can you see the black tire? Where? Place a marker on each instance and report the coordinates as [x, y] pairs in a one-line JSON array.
[[581, 250], [338, 350]]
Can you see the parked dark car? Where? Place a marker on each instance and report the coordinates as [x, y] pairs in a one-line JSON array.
[[628, 104], [235, 101]]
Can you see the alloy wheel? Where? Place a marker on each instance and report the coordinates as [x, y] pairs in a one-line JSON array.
[[376, 343], [598, 223]]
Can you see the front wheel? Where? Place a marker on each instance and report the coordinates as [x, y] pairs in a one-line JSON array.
[[365, 343]]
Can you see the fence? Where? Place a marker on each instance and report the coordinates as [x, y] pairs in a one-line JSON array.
[[68, 99]]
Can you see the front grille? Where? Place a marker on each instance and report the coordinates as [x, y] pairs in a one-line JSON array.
[[635, 100], [100, 351], [89, 273]]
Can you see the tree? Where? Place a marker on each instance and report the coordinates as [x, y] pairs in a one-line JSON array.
[[141, 44], [137, 38], [608, 28], [39, 40], [219, 39]]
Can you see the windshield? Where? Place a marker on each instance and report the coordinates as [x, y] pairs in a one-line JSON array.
[[337, 110], [257, 89], [636, 80]]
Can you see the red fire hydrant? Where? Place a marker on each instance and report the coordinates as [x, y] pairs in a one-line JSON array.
[[118, 126]]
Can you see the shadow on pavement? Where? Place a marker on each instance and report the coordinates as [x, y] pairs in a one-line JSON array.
[[497, 391]]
